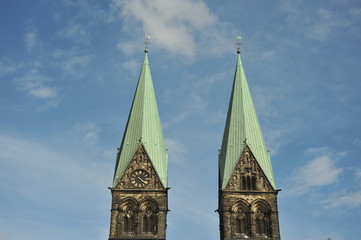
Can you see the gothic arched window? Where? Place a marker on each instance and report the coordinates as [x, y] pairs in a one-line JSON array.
[[262, 220], [240, 220], [261, 227], [129, 219], [148, 218]]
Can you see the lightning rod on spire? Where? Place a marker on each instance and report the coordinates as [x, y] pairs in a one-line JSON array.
[[238, 44], [146, 43]]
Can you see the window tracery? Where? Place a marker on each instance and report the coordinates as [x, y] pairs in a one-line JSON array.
[[129, 219], [148, 216], [240, 221], [262, 220]]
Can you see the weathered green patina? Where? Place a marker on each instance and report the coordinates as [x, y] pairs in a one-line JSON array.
[[143, 127], [241, 129]]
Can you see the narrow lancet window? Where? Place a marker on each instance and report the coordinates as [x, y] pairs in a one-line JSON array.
[[262, 223], [240, 219], [149, 219], [129, 220]]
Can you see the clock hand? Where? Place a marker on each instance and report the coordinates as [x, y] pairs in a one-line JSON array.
[[142, 180]]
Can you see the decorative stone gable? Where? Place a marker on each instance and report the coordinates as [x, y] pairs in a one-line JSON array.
[[139, 202], [248, 175], [248, 206], [140, 163]]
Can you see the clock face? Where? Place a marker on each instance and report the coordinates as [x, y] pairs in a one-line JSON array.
[[139, 178]]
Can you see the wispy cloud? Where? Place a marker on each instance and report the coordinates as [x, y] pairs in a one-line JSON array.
[[276, 138], [87, 133], [176, 26], [176, 149], [35, 161], [358, 174], [324, 24], [320, 171], [318, 24], [131, 65], [74, 32], [357, 142], [71, 61], [35, 84], [343, 199], [8, 68], [43, 92], [38, 174], [30, 37]]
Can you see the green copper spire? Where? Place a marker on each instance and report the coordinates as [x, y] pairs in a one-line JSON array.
[[242, 128], [143, 127]]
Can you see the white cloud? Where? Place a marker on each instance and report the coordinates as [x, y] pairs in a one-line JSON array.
[[6, 68], [34, 84], [344, 199], [44, 92], [32, 161], [178, 26], [87, 133], [276, 138], [217, 117], [358, 174], [177, 119], [74, 32], [355, 12], [318, 24], [267, 54], [326, 23], [176, 149], [76, 61], [357, 142], [131, 65], [71, 61], [30, 39], [58, 179], [318, 172]]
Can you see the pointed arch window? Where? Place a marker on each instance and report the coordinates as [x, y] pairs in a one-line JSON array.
[[261, 226], [240, 221], [262, 220], [149, 218], [129, 219]]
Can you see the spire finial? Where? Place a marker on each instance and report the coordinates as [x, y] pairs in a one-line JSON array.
[[146, 43], [238, 44]]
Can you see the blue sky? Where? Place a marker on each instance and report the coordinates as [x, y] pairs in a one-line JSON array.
[[68, 71]]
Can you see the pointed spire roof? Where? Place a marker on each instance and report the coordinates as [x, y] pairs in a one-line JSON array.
[[241, 129], [143, 127]]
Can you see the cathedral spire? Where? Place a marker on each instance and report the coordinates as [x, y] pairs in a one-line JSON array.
[[242, 129], [143, 128]]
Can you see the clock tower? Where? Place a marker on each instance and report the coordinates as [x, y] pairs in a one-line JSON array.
[[247, 204], [140, 183]]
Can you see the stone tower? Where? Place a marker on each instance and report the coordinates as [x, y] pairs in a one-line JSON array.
[[139, 190], [247, 203]]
